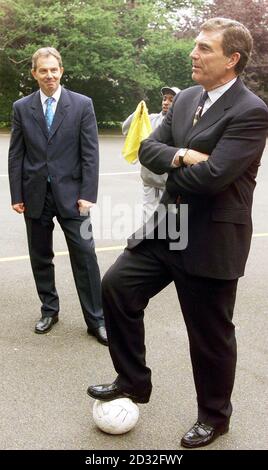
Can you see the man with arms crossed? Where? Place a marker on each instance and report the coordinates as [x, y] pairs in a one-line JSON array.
[[211, 148]]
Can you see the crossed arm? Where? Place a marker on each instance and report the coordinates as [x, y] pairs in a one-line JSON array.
[[239, 146], [192, 157]]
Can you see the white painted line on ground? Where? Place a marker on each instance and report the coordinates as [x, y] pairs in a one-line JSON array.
[[14, 258], [259, 235], [100, 250], [63, 253]]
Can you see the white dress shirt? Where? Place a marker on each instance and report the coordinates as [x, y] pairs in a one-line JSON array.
[[56, 97], [215, 94]]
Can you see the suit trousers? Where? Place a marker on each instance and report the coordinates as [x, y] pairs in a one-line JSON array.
[[207, 306], [83, 261]]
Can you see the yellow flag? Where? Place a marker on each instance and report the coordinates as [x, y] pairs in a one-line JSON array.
[[140, 129]]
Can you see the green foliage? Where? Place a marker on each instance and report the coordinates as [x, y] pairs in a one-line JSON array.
[[8, 87], [118, 52], [170, 60]]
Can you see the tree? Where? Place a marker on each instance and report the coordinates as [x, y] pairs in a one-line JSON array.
[[113, 50], [170, 58], [8, 89]]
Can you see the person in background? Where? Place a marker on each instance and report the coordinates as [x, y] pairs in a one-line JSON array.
[[53, 172], [211, 145], [153, 185]]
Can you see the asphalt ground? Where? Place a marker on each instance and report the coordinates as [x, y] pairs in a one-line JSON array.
[[44, 377]]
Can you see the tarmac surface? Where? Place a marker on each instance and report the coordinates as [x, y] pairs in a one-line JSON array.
[[44, 377]]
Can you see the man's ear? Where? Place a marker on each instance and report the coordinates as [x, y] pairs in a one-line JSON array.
[[33, 72], [233, 60]]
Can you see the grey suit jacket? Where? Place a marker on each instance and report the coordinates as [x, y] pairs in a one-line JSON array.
[[218, 192], [68, 154]]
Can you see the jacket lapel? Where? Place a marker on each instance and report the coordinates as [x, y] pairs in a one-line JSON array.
[[216, 111], [38, 113], [61, 111], [189, 116]]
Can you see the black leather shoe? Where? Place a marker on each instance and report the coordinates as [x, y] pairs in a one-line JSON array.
[[100, 334], [45, 324], [202, 434], [108, 392]]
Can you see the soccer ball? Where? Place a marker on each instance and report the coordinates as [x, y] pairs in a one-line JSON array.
[[115, 416]]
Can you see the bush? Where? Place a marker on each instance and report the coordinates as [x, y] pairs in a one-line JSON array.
[[109, 125]]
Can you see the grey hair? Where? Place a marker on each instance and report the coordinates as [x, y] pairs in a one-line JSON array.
[[235, 38]]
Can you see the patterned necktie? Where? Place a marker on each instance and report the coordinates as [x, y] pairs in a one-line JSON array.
[[200, 107], [49, 114]]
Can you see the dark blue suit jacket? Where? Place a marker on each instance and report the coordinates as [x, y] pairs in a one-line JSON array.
[[69, 154], [218, 192]]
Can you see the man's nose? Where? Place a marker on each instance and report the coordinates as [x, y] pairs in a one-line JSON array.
[[49, 74], [194, 53]]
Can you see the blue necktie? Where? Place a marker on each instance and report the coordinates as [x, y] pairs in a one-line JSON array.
[[49, 114]]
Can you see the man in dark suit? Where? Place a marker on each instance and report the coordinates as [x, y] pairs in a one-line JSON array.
[[211, 144], [53, 171]]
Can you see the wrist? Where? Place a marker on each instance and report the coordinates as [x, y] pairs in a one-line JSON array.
[[178, 160]]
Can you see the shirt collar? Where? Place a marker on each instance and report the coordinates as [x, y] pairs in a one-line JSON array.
[[215, 94], [56, 95]]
